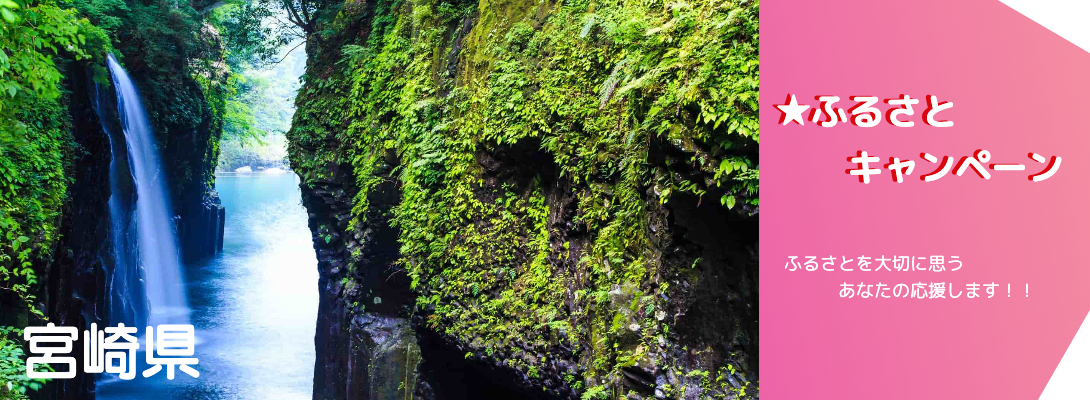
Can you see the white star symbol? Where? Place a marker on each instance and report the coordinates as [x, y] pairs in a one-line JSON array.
[[792, 111]]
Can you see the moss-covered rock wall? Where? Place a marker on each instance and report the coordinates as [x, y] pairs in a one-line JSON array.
[[565, 194]]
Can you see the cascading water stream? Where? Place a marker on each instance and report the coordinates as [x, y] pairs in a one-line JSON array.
[[158, 247], [125, 299]]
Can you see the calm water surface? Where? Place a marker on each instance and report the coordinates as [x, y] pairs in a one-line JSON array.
[[254, 305]]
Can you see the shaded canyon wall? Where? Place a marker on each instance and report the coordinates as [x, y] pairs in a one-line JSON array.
[[499, 211]]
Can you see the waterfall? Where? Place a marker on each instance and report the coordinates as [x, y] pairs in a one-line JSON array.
[[155, 233], [125, 300]]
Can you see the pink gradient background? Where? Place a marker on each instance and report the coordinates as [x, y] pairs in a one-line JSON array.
[[1016, 88]]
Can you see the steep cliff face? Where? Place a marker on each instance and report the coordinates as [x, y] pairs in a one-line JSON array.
[[365, 344], [533, 199], [71, 287], [75, 288]]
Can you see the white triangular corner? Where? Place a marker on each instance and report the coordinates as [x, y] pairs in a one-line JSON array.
[[1071, 380], [1066, 18]]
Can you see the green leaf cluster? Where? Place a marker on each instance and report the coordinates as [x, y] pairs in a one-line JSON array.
[[37, 39]]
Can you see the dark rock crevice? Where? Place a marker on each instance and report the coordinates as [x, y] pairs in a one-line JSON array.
[[453, 376], [712, 257]]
